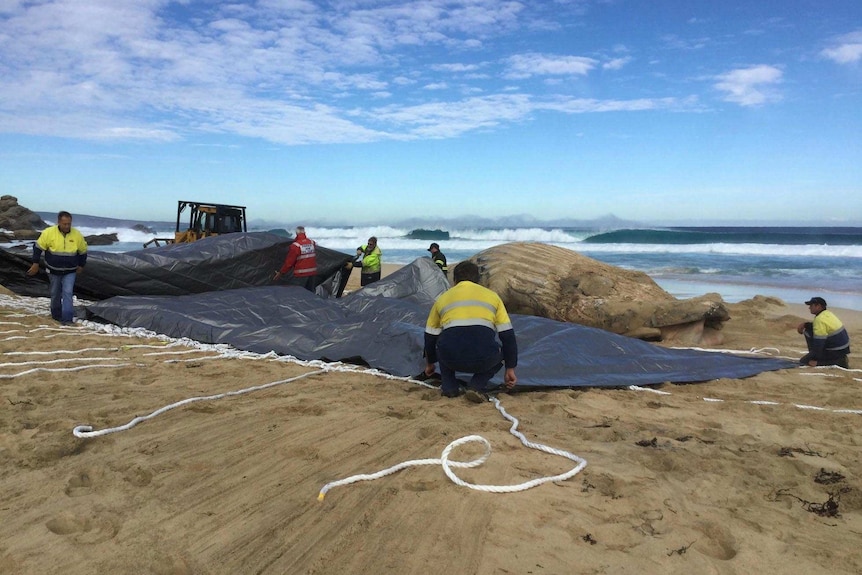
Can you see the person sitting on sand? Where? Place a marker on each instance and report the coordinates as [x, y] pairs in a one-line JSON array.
[[370, 259], [827, 339], [461, 333]]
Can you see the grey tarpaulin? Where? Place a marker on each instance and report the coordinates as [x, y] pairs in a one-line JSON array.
[[387, 333], [216, 263]]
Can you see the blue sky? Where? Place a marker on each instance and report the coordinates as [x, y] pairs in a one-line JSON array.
[[372, 111]]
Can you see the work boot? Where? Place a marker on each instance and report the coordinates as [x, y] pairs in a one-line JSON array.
[[475, 396]]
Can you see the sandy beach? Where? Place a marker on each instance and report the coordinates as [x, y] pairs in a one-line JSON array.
[[760, 475]]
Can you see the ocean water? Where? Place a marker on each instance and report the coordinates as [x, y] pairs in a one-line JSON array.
[[737, 262]]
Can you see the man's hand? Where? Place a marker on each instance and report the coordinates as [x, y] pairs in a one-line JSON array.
[[800, 328], [510, 378], [79, 270], [429, 369], [33, 270], [812, 363]]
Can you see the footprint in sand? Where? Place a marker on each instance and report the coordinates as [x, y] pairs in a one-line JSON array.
[[717, 541], [79, 485], [138, 476], [400, 413], [85, 530]]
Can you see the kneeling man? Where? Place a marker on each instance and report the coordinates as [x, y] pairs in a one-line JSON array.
[[461, 333], [827, 339]]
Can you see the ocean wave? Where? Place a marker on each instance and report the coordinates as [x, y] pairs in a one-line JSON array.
[[126, 235], [476, 240], [809, 250], [775, 235]]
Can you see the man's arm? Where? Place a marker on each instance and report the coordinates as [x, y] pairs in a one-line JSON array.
[[289, 261], [37, 256], [510, 356]]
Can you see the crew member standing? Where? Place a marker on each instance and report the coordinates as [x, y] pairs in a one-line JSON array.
[[65, 255], [438, 258], [302, 259], [370, 258]]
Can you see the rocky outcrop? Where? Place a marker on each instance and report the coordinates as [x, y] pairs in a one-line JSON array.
[[143, 228], [14, 217], [21, 223], [101, 239], [553, 282]]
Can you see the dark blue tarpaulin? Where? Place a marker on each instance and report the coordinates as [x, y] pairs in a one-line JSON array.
[[224, 262], [383, 326]]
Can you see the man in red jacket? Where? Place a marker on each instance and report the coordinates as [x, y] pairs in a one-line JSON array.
[[302, 259]]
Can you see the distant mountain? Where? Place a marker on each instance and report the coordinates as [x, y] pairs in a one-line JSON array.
[[609, 221]]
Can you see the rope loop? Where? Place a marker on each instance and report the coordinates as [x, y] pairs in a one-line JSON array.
[[448, 464]]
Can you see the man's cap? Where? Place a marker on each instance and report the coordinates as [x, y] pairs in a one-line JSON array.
[[817, 300], [434, 246]]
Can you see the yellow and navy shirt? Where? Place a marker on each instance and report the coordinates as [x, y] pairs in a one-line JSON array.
[[471, 317], [63, 252], [829, 335]]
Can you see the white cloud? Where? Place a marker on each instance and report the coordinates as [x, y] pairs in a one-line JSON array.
[[450, 119], [287, 71], [616, 63], [532, 64], [455, 67], [750, 86], [846, 49]]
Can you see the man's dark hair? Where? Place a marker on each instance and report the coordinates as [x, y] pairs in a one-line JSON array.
[[64, 214], [466, 271]]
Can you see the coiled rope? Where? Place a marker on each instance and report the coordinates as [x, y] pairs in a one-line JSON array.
[[448, 464]]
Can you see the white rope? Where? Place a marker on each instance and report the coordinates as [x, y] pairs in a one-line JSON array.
[[86, 431], [648, 389], [448, 464], [797, 405], [753, 350], [61, 351], [58, 369], [52, 361], [806, 371]]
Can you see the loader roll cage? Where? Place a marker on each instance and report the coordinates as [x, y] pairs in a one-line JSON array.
[[204, 220]]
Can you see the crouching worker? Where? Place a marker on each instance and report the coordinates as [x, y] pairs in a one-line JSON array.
[[827, 339], [461, 334]]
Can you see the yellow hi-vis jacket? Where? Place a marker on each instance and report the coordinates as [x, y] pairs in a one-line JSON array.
[[371, 262], [63, 252]]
